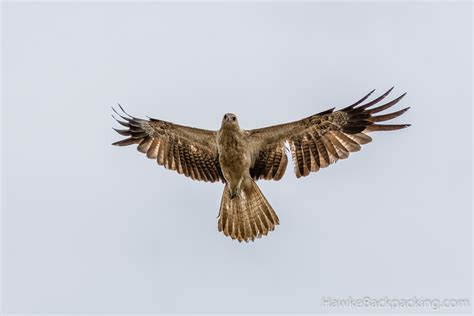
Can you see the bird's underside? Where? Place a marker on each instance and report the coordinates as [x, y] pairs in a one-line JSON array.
[[239, 157]]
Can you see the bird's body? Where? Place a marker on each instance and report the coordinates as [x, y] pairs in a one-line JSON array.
[[240, 157], [235, 154], [244, 210]]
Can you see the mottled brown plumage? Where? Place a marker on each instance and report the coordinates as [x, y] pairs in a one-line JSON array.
[[239, 158]]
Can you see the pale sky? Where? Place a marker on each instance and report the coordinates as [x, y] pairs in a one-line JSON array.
[[92, 228]]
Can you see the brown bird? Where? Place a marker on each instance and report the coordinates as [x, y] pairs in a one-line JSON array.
[[240, 157]]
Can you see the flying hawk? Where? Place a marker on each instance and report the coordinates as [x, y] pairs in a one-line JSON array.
[[240, 157]]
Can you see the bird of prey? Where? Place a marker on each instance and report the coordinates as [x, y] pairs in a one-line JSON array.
[[239, 158]]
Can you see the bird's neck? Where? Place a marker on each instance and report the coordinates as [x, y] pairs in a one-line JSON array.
[[230, 129]]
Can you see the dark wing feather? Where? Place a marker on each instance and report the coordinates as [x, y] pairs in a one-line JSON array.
[[321, 139], [187, 150], [270, 163]]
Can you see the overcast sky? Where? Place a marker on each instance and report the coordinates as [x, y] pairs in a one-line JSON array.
[[88, 227]]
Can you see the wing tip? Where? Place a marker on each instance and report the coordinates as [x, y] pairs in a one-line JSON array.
[[383, 127]]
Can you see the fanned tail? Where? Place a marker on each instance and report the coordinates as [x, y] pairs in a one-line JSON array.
[[247, 216]]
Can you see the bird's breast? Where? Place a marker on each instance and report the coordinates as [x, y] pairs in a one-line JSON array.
[[234, 157]]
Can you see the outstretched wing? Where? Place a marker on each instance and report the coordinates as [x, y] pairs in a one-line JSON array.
[[187, 150], [321, 139]]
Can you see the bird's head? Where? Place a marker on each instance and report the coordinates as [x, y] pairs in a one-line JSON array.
[[230, 120]]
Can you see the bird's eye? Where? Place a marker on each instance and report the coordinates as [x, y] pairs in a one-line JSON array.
[[233, 119], [225, 117]]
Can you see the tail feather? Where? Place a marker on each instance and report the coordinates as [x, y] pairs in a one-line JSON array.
[[247, 216]]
